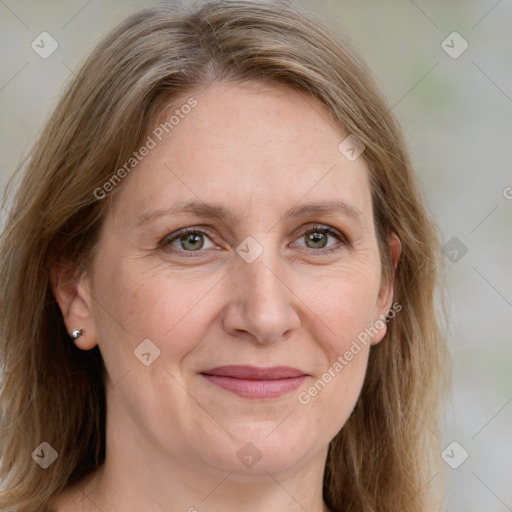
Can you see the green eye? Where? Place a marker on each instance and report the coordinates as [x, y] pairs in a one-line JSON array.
[[188, 240], [193, 240], [317, 238]]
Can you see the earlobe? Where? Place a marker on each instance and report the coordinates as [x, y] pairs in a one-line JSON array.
[[71, 291]]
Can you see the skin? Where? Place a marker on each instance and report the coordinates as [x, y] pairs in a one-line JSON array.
[[172, 436]]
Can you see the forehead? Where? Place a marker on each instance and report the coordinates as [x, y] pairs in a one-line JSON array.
[[245, 143]]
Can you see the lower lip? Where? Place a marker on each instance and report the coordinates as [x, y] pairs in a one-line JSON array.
[[257, 389]]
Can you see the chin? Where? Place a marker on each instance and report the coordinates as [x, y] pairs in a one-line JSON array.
[[254, 455]]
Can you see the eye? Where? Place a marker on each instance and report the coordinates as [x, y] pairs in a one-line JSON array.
[[317, 238], [193, 240], [188, 240]]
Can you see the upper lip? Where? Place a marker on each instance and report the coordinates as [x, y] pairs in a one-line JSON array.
[[254, 372]]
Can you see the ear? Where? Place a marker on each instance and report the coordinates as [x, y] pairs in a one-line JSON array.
[[385, 297], [71, 291]]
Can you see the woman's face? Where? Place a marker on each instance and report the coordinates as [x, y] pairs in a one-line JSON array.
[[251, 170]]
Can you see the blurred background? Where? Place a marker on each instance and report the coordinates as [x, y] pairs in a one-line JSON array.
[[446, 70]]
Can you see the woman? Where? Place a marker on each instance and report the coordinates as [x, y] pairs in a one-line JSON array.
[[218, 281]]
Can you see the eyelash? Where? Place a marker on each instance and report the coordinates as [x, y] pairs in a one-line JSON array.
[[168, 240]]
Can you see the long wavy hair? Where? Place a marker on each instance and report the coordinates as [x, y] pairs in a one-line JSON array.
[[387, 455]]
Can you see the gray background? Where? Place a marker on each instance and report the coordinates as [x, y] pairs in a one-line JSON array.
[[457, 117]]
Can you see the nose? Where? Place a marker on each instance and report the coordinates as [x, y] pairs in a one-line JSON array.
[[263, 305]]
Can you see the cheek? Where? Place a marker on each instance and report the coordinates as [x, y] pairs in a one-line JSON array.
[[344, 310], [345, 305], [333, 392], [342, 383], [135, 305]]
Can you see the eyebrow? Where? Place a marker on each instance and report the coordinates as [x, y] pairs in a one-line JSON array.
[[217, 211]]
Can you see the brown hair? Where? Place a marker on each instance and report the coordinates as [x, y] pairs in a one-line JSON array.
[[385, 455]]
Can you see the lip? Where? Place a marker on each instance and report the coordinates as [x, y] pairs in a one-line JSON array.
[[254, 382]]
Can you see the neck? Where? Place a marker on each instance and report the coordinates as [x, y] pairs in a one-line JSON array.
[[186, 489]]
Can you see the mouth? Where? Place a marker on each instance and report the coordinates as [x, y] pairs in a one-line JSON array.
[[253, 382]]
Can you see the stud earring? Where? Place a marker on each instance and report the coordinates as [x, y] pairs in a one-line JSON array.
[[76, 334]]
